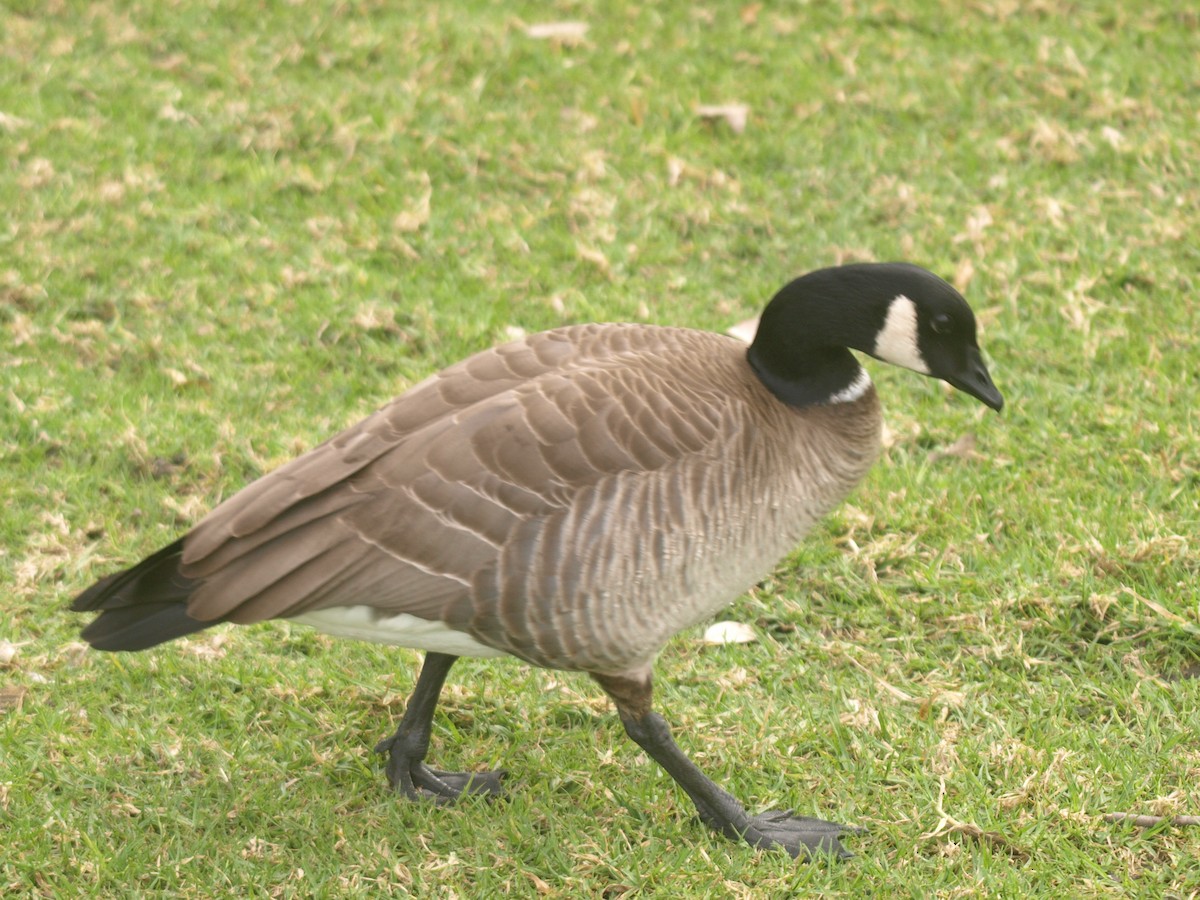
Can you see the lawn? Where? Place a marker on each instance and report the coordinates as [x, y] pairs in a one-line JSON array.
[[231, 229]]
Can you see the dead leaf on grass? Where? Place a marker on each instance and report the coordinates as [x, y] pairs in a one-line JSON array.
[[37, 173], [730, 633], [12, 696], [257, 848], [74, 652], [12, 123], [177, 378], [1056, 143], [735, 115], [413, 219], [976, 225], [375, 317], [963, 448], [1112, 137], [860, 715], [209, 648], [169, 112], [596, 258], [679, 170], [570, 33], [749, 13], [8, 651], [963, 274]]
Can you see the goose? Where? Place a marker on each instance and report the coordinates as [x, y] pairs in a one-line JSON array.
[[573, 499]]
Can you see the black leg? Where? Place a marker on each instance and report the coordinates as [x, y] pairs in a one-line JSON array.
[[406, 749], [798, 835]]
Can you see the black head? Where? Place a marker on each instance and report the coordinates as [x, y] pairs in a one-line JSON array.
[[896, 312]]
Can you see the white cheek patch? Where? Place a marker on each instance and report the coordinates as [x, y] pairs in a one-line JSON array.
[[897, 340]]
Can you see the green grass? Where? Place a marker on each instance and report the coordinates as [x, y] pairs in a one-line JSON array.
[[216, 250]]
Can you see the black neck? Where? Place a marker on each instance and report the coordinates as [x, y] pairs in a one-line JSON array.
[[800, 351], [809, 379]]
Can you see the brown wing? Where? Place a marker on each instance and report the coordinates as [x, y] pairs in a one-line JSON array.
[[405, 510]]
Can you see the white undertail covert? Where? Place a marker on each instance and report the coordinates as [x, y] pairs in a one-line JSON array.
[[403, 630]]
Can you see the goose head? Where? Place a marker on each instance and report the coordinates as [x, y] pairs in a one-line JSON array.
[[896, 312]]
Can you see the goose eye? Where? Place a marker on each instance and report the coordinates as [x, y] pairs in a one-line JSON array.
[[941, 324]]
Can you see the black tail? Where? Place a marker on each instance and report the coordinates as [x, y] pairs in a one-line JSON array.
[[142, 606]]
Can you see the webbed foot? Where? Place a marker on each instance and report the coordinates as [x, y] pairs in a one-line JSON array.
[[408, 775], [800, 836]]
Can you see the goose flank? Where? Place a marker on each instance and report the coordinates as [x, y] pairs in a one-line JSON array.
[[572, 499]]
